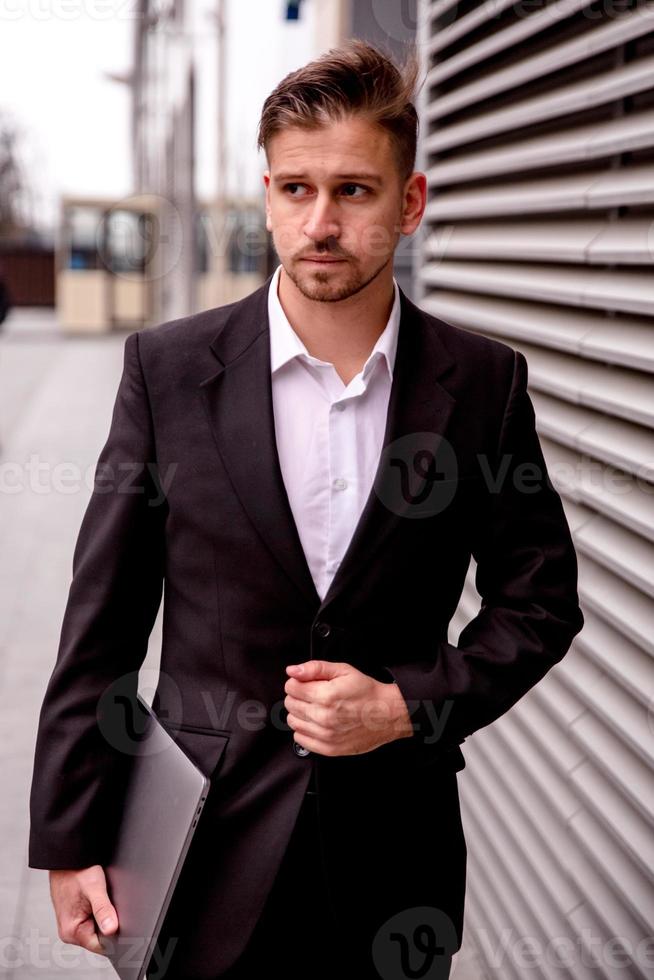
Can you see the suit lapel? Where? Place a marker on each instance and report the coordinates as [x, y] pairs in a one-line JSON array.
[[238, 401]]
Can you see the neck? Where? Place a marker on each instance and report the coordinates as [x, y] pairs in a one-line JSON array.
[[342, 333]]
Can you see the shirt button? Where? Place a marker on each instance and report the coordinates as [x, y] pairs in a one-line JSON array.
[[339, 484], [300, 749], [339, 406]]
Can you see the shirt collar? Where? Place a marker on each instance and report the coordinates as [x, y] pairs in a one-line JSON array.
[[285, 343]]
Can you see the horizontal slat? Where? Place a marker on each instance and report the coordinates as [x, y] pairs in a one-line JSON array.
[[498, 810], [510, 37], [601, 796], [566, 146], [534, 831], [520, 895], [595, 936], [622, 552], [597, 642], [545, 729], [626, 446], [619, 83], [559, 701], [584, 191], [437, 8], [523, 763], [629, 241], [490, 757], [631, 668], [601, 487], [594, 288], [495, 916], [517, 757], [612, 390], [621, 605], [608, 699], [628, 771], [485, 921], [614, 601], [623, 339], [538, 155], [479, 15], [627, 882], [609, 35]]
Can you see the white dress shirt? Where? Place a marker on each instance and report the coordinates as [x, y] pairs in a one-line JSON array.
[[329, 435]]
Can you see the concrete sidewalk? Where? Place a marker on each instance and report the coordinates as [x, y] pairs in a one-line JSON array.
[[56, 399]]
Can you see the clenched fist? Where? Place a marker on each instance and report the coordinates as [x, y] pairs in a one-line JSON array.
[[81, 904]]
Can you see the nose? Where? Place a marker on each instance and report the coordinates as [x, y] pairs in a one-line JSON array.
[[322, 222]]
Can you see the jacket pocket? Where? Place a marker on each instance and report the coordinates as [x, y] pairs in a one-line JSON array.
[[204, 746]]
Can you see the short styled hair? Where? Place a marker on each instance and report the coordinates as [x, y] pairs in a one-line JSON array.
[[355, 78]]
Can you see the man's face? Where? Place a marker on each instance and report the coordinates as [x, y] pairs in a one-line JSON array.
[[335, 193]]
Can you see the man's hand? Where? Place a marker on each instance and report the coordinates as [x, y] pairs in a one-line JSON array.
[[80, 901], [334, 709]]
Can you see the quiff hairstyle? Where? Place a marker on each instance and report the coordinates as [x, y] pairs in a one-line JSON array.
[[355, 78]]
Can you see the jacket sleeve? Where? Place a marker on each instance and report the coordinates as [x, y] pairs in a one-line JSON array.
[[527, 578], [117, 577]]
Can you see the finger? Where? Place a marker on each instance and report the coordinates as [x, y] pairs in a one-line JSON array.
[[312, 670], [305, 726], [304, 709], [87, 937], [308, 692]]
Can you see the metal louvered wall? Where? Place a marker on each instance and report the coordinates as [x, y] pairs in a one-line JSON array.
[[537, 136]]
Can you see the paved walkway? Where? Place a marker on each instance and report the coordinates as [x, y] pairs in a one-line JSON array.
[[56, 398]]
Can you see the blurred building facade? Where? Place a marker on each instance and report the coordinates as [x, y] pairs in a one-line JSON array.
[[539, 150], [212, 252], [198, 259]]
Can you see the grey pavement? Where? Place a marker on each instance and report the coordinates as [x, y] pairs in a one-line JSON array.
[[56, 398]]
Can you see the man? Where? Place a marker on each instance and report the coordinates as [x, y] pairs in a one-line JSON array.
[[310, 470]]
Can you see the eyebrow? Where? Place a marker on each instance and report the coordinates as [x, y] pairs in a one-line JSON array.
[[371, 178]]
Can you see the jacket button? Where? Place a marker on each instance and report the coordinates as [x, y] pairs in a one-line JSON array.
[[323, 629], [300, 749]]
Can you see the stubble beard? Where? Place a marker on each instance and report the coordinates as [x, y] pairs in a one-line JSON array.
[[323, 287]]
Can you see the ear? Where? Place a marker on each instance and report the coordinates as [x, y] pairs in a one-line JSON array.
[[414, 202], [266, 181]]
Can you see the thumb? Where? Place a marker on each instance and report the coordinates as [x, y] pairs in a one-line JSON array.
[[313, 670], [104, 912]]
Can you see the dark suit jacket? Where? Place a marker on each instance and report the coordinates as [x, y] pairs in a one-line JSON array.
[[189, 497]]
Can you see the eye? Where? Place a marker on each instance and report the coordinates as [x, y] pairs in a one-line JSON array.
[[287, 186], [360, 186]]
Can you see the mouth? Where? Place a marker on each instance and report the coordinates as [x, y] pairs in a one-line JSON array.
[[323, 261]]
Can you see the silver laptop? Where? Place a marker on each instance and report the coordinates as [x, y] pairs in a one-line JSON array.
[[164, 799]]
